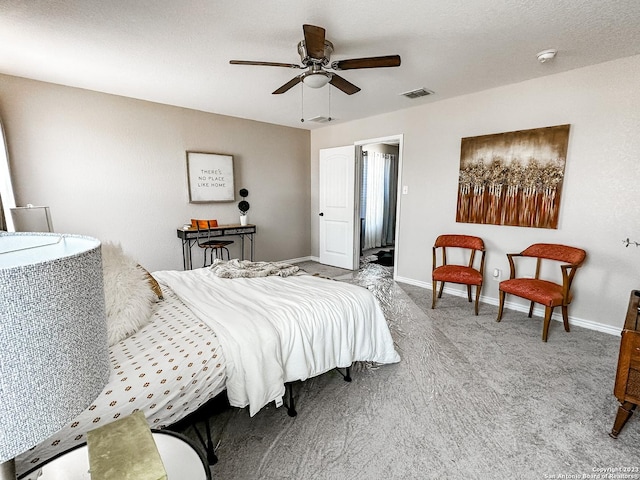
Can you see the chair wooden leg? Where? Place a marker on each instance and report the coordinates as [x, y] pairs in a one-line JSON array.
[[565, 318], [478, 288], [502, 296], [433, 291], [547, 320], [469, 293], [441, 289], [531, 309]]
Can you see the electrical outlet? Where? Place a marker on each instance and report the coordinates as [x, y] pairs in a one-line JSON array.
[[405, 189], [497, 274]]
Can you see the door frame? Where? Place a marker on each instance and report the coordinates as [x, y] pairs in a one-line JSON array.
[[395, 139]]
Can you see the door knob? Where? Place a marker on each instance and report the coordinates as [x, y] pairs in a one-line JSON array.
[[321, 214]]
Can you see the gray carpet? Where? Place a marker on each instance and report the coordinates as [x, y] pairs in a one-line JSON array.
[[471, 398]]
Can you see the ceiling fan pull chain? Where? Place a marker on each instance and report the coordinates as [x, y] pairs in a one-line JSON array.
[[302, 103], [329, 117]]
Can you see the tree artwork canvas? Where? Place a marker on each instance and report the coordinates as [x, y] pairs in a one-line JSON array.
[[513, 178]]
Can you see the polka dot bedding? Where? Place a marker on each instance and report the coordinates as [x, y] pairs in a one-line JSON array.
[[167, 369]]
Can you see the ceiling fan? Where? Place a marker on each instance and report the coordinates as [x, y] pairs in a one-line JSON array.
[[315, 55]]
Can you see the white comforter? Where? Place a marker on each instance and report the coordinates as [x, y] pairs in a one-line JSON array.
[[275, 330]]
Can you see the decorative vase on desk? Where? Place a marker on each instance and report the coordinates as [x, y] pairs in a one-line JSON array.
[[243, 206]]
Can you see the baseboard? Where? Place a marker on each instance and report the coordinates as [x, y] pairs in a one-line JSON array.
[[537, 311], [301, 259]]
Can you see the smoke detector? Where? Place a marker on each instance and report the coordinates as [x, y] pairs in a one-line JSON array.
[[547, 55]]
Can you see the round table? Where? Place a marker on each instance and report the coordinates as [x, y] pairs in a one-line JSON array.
[[180, 457]]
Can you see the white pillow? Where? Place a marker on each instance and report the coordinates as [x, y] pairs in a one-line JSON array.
[[128, 298]]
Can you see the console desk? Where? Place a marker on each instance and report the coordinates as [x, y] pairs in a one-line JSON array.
[[190, 235]]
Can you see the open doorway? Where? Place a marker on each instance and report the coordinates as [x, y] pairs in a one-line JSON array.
[[378, 196]]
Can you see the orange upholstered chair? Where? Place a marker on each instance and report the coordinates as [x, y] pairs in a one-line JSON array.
[[463, 274], [548, 293]]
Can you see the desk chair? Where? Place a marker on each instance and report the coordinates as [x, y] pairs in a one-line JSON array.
[[548, 293], [207, 241]]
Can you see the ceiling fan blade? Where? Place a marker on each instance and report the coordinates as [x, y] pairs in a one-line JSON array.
[[314, 41], [344, 85], [370, 62], [291, 83], [266, 64]]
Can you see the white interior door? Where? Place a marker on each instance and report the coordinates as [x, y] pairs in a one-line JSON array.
[[337, 207]]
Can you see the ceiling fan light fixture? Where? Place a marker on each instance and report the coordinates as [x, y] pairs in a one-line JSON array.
[[316, 79]]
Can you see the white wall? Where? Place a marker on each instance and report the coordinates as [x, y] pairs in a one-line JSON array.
[[115, 168], [600, 203]]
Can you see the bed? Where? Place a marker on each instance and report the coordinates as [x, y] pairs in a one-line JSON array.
[[249, 336]]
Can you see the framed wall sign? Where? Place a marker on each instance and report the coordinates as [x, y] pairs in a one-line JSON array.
[[210, 177]]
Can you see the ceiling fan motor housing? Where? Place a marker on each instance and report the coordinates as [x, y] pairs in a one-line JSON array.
[[307, 60]]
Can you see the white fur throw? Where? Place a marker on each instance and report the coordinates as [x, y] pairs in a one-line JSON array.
[[128, 297], [246, 269]]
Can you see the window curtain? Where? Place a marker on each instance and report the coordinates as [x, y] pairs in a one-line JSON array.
[[378, 199]]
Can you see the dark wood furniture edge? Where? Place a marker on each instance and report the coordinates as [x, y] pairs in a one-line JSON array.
[[628, 362]]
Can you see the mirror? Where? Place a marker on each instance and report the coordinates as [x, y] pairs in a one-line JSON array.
[[7, 200]]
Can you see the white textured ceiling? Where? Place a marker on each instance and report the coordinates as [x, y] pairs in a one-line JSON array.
[[177, 52]]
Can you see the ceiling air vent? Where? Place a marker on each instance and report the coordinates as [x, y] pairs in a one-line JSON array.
[[320, 119], [420, 92]]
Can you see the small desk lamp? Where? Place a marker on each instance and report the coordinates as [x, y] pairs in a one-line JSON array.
[[54, 356]]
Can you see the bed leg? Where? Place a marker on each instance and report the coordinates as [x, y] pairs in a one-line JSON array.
[[212, 458], [346, 375], [291, 407]]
